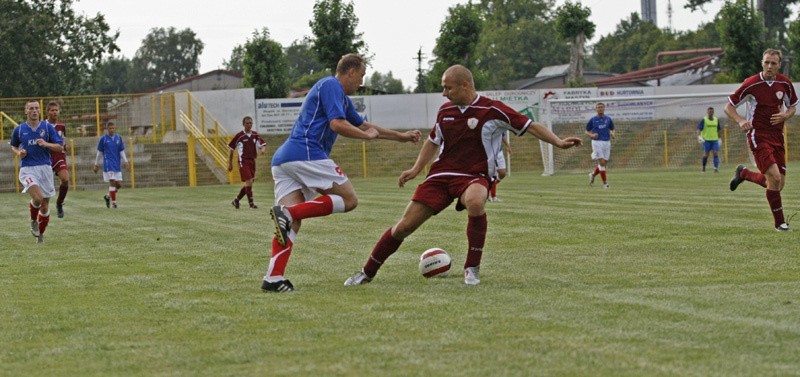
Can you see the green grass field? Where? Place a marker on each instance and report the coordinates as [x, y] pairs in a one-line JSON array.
[[666, 274]]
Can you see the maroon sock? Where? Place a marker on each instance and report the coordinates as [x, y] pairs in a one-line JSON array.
[[62, 192], [385, 247], [603, 175], [754, 177], [476, 238], [242, 193], [249, 192], [596, 171], [774, 199]]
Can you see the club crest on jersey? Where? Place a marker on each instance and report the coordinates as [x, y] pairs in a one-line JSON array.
[[779, 95], [41, 133], [472, 123]]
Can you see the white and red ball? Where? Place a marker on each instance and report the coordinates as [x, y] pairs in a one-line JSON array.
[[434, 262]]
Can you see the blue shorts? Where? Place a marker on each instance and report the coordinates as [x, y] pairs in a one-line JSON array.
[[710, 145]]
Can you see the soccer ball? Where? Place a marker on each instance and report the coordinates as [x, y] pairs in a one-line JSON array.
[[434, 262]]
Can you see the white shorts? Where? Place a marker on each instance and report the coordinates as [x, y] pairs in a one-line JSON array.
[[601, 149], [39, 175], [501, 160], [306, 176], [112, 176]]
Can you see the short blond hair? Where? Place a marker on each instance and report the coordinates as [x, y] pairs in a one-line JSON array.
[[772, 51]]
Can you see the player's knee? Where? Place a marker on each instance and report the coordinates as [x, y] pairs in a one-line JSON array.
[[350, 203]]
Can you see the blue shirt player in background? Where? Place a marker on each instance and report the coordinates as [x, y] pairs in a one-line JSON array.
[[708, 135], [112, 149], [601, 129], [307, 182], [32, 141]]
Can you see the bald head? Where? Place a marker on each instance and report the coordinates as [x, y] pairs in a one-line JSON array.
[[458, 85]]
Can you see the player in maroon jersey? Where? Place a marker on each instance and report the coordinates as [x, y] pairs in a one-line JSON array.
[[768, 93], [58, 160], [245, 143], [466, 139]]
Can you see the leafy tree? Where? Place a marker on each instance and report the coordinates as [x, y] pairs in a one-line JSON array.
[[632, 46], [302, 60], [458, 37], [47, 49], [112, 76], [334, 28], [572, 23], [516, 42], [265, 67], [775, 13], [166, 56], [235, 62], [794, 49], [738, 22], [385, 83]]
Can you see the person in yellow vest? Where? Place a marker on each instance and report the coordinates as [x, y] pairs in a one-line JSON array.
[[708, 134]]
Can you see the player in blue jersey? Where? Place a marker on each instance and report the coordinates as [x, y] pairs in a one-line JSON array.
[[708, 134], [112, 150], [601, 129], [32, 141], [307, 182]]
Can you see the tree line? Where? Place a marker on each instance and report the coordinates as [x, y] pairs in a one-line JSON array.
[[46, 49]]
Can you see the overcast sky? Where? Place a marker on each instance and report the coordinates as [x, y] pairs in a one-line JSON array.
[[393, 30]]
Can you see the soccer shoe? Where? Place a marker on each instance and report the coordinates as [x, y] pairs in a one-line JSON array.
[[606, 186], [783, 228], [60, 210], [716, 170], [35, 228], [40, 238], [253, 206], [591, 179], [108, 201], [359, 278], [737, 178], [278, 286], [495, 199], [113, 205], [235, 203], [471, 275], [282, 224]]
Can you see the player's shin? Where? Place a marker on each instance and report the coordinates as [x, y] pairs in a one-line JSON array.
[[385, 247], [476, 238]]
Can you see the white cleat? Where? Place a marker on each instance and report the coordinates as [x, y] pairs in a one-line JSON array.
[[35, 228], [471, 275], [358, 279], [783, 228]]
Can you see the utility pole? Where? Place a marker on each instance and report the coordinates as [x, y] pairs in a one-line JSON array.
[[420, 77]]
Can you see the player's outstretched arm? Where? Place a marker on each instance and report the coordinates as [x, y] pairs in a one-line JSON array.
[[426, 154], [542, 133], [347, 129], [413, 136]]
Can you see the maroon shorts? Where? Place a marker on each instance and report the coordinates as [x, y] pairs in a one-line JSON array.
[[58, 162], [247, 169], [768, 149], [439, 192]]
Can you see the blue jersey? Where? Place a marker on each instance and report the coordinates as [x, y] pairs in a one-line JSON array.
[[24, 137], [601, 126], [111, 147], [312, 137]]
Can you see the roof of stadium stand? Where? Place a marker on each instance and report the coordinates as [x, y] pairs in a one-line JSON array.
[[682, 72]]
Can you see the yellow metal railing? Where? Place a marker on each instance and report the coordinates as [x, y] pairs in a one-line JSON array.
[[3, 117], [214, 147]]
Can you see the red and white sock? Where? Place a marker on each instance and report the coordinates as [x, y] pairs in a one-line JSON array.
[[602, 170], [321, 206], [43, 219], [112, 193], [278, 261], [34, 210], [596, 171]]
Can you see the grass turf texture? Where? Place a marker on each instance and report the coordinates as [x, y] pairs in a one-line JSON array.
[[667, 273]]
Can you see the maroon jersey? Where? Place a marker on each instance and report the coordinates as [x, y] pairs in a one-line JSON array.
[[58, 158], [469, 137], [246, 145], [765, 98]]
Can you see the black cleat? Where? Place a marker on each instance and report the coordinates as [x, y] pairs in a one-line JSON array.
[[235, 203], [253, 206], [60, 210], [108, 201], [278, 286], [282, 224], [737, 178]]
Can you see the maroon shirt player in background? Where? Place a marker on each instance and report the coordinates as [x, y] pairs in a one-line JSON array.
[[768, 92], [58, 160], [245, 143], [466, 138]]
